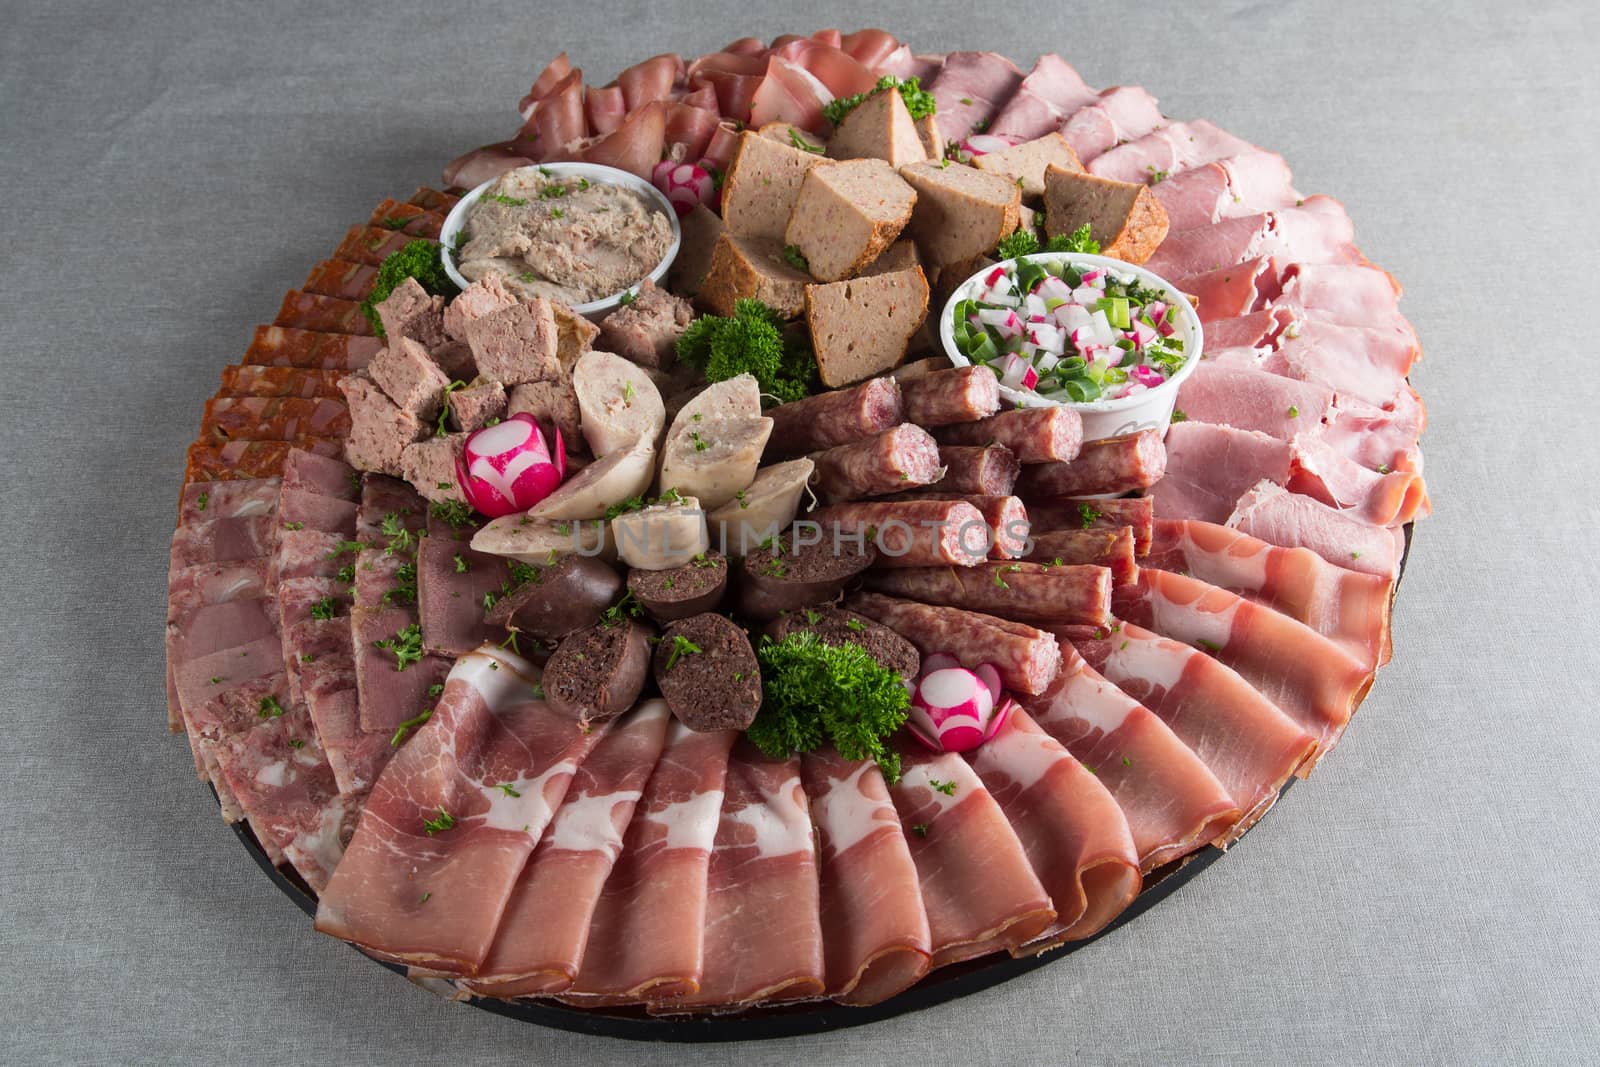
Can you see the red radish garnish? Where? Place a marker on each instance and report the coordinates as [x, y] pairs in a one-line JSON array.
[[981, 144], [508, 468], [955, 709], [685, 184]]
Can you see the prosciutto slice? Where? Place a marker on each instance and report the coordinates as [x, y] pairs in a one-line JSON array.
[[1168, 151], [1173, 803], [540, 942], [1051, 91], [1075, 835], [979, 890], [453, 818], [1120, 114], [1345, 606], [1249, 399], [874, 927], [1246, 740], [1209, 467], [763, 935], [1314, 681], [1291, 520], [646, 938]]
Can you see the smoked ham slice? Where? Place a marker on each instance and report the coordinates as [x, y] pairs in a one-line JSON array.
[[453, 818], [874, 926], [540, 942], [1173, 803], [1074, 833], [979, 891], [1209, 467], [1272, 513]]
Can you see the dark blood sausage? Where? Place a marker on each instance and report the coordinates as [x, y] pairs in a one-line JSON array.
[[570, 594], [708, 673], [1113, 549], [1036, 435], [283, 346], [987, 470], [1070, 513], [677, 593], [835, 626], [945, 397], [313, 311], [804, 569], [1024, 592], [833, 418], [909, 533], [898, 458], [598, 672], [1113, 465], [1005, 515], [1027, 658]]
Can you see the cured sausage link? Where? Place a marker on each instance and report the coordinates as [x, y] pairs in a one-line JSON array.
[[1006, 516], [1113, 465], [946, 397], [910, 533], [834, 418], [895, 459], [1076, 513], [1027, 658], [1041, 593], [1102, 548], [1036, 435], [987, 469]]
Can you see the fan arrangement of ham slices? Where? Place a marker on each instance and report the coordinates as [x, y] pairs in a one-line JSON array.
[[449, 819]]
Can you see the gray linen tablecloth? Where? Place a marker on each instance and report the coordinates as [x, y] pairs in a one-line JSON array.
[[1429, 896]]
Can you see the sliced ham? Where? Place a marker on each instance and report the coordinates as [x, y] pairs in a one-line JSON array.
[[1247, 742], [453, 818], [1311, 679], [1075, 835], [1229, 292], [840, 73], [540, 942], [1248, 399], [789, 93], [646, 936], [1168, 151], [980, 892], [1349, 293], [239, 498], [1368, 364], [1227, 243], [1119, 115], [870, 47], [902, 63], [1256, 330], [1246, 184], [1292, 520], [635, 146], [1346, 606], [875, 933], [1378, 438], [969, 91], [1322, 471], [1051, 91], [1173, 803], [1209, 467]]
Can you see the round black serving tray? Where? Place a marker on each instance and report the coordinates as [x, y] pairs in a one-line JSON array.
[[811, 1017]]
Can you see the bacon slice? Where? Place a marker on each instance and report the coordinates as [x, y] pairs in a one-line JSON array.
[[980, 893], [1247, 742], [874, 926], [1348, 607], [453, 818], [1074, 833], [646, 938], [540, 942], [1173, 803]]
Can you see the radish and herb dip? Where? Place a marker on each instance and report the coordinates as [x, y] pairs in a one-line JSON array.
[[1069, 333]]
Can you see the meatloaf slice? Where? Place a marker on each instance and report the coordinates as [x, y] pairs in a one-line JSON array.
[[847, 213], [763, 181], [409, 311], [554, 406], [1125, 217], [753, 267], [474, 406], [961, 212], [879, 127], [863, 326], [379, 431], [1026, 163]]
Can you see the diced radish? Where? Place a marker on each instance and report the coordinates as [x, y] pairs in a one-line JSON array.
[[1096, 278], [1146, 375], [1047, 361], [1087, 296], [1072, 316], [955, 709], [1049, 338], [1018, 372], [1035, 305], [981, 144], [507, 467], [1053, 288], [1142, 334]]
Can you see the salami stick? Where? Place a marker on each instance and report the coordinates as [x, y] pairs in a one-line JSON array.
[[1113, 549], [1076, 513], [1036, 435], [833, 418], [989, 470], [946, 397], [910, 533], [1114, 465], [1037, 593], [895, 459], [1027, 658]]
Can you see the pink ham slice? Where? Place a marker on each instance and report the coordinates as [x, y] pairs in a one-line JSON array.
[[1318, 232], [839, 73], [1246, 184], [1051, 91], [1173, 803], [979, 890], [969, 91], [1311, 679], [636, 145], [1209, 467], [870, 47], [650, 80], [540, 943], [1246, 740], [1366, 363], [646, 939], [1248, 399], [1291, 520], [874, 926], [789, 93], [1168, 151], [1075, 835], [1376, 438], [1348, 607], [1349, 293], [491, 765], [1229, 292], [1120, 114], [1257, 330], [763, 938], [1323, 471]]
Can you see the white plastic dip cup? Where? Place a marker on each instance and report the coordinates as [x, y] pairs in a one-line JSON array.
[[598, 175], [1151, 409]]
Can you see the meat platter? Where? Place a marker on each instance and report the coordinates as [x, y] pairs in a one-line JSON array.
[[792, 536]]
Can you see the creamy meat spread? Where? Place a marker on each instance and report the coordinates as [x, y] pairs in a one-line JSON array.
[[562, 237]]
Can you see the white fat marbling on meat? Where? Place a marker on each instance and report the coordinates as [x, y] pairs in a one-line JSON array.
[[1094, 701], [1248, 571], [531, 810], [847, 815], [588, 823], [274, 774], [950, 768], [1024, 756], [500, 677], [1145, 660], [782, 823], [1191, 623], [690, 823]]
